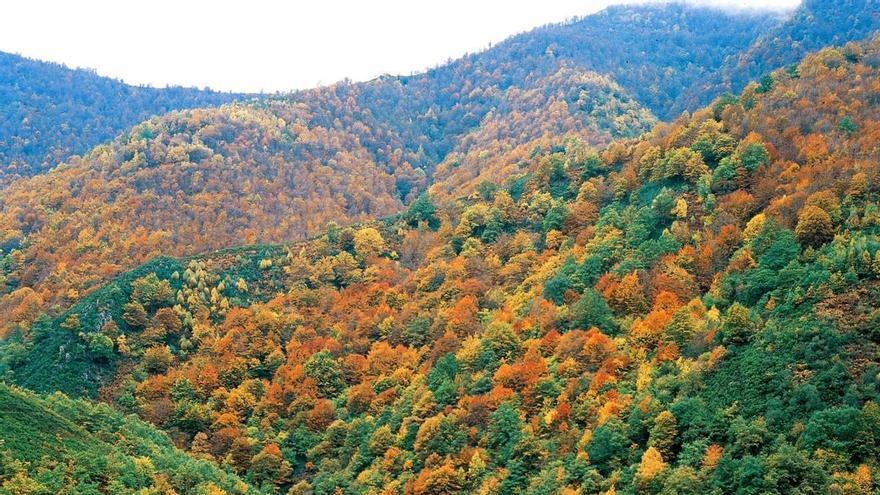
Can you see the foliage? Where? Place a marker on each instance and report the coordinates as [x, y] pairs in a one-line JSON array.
[[51, 112], [636, 322], [52, 444]]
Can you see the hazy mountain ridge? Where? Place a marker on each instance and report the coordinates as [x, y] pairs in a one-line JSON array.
[[50, 112], [813, 25]]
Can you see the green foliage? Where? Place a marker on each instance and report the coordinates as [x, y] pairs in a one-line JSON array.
[[609, 446], [847, 126], [754, 156], [97, 446], [327, 374], [591, 310], [738, 325], [423, 210], [505, 432]]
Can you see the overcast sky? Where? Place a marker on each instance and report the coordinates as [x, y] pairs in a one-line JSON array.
[[260, 45]]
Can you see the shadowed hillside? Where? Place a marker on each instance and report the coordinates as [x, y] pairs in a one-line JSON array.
[[49, 112]]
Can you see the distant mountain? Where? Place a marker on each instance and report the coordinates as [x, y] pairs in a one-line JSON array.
[[669, 58], [815, 24], [49, 112]]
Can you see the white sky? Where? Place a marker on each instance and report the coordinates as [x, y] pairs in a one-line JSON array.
[[261, 45]]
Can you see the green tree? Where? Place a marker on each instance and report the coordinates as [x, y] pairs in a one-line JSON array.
[[591, 310], [134, 315], [738, 326], [753, 156], [848, 126], [152, 292], [664, 435], [504, 432], [609, 446], [423, 210], [327, 374]]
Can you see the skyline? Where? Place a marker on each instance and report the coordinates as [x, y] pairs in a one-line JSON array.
[[287, 51]]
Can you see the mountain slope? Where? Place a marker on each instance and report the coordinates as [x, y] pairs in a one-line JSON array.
[[687, 312], [813, 25], [50, 112], [54, 445], [209, 178], [280, 169]]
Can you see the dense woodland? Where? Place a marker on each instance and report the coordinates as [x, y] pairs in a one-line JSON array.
[[669, 58], [280, 168], [210, 178], [49, 112], [685, 312]]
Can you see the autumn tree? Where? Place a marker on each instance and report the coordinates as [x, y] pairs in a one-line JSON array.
[[814, 226]]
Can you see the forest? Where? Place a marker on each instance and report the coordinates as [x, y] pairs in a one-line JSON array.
[[279, 168], [50, 112], [532, 270], [689, 311]]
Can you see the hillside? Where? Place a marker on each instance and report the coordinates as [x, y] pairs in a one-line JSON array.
[[280, 169], [52, 445], [210, 178], [670, 58], [49, 112], [690, 311]]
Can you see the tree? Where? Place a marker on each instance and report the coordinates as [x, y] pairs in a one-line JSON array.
[[157, 359], [608, 446], [847, 126], [151, 292], [368, 243], [651, 465], [737, 327], [814, 226], [439, 435], [663, 434], [269, 468], [135, 315], [327, 374], [753, 156], [423, 210], [503, 341], [591, 310], [724, 177], [444, 480], [627, 296], [555, 217], [504, 431], [524, 461]]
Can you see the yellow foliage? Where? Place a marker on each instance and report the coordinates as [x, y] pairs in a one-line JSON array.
[[651, 465]]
